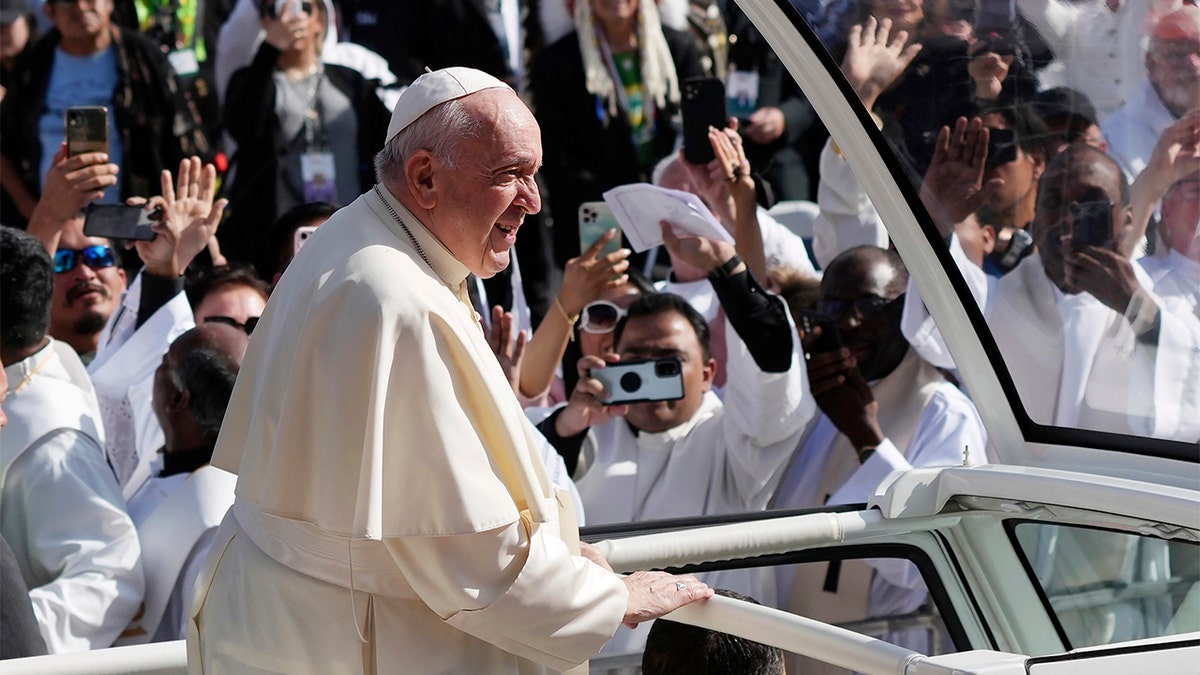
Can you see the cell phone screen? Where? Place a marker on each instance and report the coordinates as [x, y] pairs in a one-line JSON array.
[[703, 106]]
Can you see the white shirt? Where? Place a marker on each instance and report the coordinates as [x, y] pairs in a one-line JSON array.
[[60, 508], [123, 373], [1099, 53], [847, 218]]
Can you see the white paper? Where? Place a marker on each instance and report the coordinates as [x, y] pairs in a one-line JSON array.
[[640, 206]]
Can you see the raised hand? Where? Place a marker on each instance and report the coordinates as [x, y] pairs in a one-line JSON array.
[[70, 184], [189, 218], [700, 252], [587, 276], [988, 69], [875, 58], [289, 26], [842, 393], [584, 409], [508, 352], [953, 187]]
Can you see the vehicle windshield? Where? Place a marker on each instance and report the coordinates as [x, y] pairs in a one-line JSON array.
[[1052, 146]]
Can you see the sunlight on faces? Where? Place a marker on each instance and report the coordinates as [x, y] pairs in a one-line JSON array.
[[667, 334], [1173, 59], [235, 301], [1180, 226], [480, 205], [84, 298]]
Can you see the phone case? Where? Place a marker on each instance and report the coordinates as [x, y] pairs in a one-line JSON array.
[[86, 129], [118, 221], [596, 218], [640, 381], [703, 106]]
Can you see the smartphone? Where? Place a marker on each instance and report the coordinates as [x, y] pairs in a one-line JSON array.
[[87, 129], [119, 221], [300, 236], [830, 339], [703, 107], [596, 218], [641, 380], [1091, 224], [1002, 147]]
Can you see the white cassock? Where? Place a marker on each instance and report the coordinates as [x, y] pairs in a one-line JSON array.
[[123, 373], [1077, 363], [927, 421], [392, 511], [176, 518], [60, 508]]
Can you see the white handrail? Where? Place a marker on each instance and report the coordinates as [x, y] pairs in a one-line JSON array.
[[765, 537], [838, 646], [160, 658]]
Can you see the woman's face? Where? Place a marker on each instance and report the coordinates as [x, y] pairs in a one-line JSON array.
[[598, 344]]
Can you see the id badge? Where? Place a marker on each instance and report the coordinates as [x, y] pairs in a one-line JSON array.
[[742, 91], [317, 173], [183, 62]]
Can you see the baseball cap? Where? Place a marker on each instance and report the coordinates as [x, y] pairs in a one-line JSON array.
[[1182, 24]]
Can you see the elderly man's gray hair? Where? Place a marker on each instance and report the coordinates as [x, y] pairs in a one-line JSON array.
[[440, 131]]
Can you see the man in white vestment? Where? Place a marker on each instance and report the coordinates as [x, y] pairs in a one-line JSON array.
[[392, 512], [60, 508], [1169, 90], [178, 510], [883, 409], [1082, 333]]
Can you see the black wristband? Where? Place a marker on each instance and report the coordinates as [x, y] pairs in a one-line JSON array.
[[725, 270]]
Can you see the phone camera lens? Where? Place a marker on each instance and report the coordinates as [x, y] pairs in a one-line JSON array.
[[666, 368], [631, 382]]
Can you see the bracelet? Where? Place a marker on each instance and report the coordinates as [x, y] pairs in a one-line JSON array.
[[725, 269], [570, 319]]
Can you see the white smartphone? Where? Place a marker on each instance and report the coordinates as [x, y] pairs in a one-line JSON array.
[[641, 380], [300, 236]]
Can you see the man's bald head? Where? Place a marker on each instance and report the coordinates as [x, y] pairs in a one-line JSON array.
[[194, 382]]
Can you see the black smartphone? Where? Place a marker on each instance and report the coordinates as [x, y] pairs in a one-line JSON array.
[[641, 380], [1091, 224], [830, 339], [1002, 147], [87, 129], [703, 107], [119, 221]]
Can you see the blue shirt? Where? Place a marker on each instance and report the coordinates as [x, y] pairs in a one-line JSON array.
[[76, 81]]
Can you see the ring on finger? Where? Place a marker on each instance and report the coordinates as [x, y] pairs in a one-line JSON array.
[[680, 586]]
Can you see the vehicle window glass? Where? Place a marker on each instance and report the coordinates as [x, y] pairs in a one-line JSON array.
[[1088, 287], [1103, 587]]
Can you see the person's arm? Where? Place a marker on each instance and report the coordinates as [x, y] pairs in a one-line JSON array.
[[80, 542], [1175, 155], [584, 279], [10, 182]]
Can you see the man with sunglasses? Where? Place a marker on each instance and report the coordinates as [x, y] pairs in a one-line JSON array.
[[88, 284], [883, 409]]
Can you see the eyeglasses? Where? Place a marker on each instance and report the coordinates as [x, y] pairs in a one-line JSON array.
[[865, 306], [600, 316], [247, 327], [96, 257]]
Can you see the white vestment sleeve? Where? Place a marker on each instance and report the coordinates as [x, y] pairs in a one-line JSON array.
[[847, 218], [123, 374], [79, 537], [764, 415], [525, 595], [917, 324], [1176, 379]]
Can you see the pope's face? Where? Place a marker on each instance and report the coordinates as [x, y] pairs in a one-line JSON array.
[[482, 202]]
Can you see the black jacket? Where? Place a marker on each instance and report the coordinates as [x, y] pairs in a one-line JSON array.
[[250, 119]]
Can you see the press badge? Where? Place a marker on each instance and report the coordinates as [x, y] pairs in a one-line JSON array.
[[183, 62], [742, 91], [318, 176]]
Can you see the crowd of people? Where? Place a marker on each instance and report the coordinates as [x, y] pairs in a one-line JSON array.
[[330, 387]]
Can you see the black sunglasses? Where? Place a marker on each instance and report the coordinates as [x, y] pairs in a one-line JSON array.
[[96, 257], [865, 306], [247, 327]]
